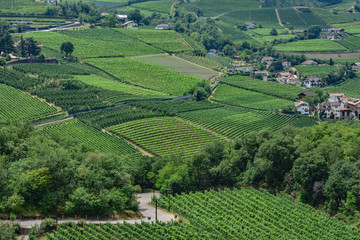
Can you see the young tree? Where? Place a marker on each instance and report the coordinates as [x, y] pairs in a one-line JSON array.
[[67, 47], [273, 32]]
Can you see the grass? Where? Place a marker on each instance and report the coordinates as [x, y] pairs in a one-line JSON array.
[[165, 136], [180, 65], [90, 43], [16, 105], [234, 122], [315, 70], [207, 61], [22, 6], [235, 34], [312, 45], [276, 89], [245, 98], [89, 137], [147, 75]]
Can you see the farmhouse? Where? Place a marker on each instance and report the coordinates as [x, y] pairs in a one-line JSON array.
[[264, 74], [356, 67], [243, 66], [302, 107], [267, 60], [104, 14], [122, 17], [163, 27], [213, 52], [52, 1], [333, 30], [288, 78], [313, 81], [334, 37], [309, 62], [305, 94], [293, 80]]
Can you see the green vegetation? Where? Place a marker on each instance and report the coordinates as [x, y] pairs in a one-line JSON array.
[[22, 6], [330, 16], [89, 43], [270, 88], [351, 27], [350, 88], [266, 17], [16, 105], [180, 65], [162, 6], [235, 122], [166, 136], [245, 98], [351, 43], [311, 70], [147, 75], [207, 61], [250, 214], [300, 19], [235, 34], [18, 80], [304, 122], [89, 137], [312, 45]]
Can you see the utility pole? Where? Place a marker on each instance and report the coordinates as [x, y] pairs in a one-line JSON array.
[[156, 210], [251, 76]]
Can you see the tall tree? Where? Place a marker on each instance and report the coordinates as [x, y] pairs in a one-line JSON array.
[[67, 47]]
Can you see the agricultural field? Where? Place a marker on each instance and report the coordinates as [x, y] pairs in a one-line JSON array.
[[129, 91], [270, 88], [253, 214], [351, 43], [266, 38], [312, 45], [351, 27], [91, 43], [250, 99], [265, 17], [304, 122], [16, 105], [162, 6], [330, 16], [235, 34], [316, 70], [89, 137], [350, 88], [234, 122], [299, 20], [208, 61], [18, 80], [180, 65], [22, 6], [165, 136], [147, 75], [165, 40], [113, 116]]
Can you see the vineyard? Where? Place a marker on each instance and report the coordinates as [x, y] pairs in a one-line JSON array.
[[266, 17], [89, 43], [18, 80], [180, 65], [350, 88], [351, 43], [304, 122], [270, 88], [166, 136], [234, 122], [300, 19], [16, 105], [312, 45], [147, 75], [252, 214], [250, 99], [89, 137], [315, 70]]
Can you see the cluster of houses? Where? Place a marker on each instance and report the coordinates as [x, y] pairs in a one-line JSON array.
[[333, 34]]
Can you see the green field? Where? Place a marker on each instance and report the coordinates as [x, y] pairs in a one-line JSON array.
[[162, 6], [214, 7], [350, 88], [208, 61], [124, 89], [300, 19], [351, 43], [16, 105], [329, 16], [266, 38], [266, 17], [253, 214], [313, 45], [235, 34], [89, 137], [304, 122], [315, 70], [166, 136], [270, 88], [91, 43], [234, 122], [180, 65], [22, 6], [250, 99], [147, 75], [351, 27]]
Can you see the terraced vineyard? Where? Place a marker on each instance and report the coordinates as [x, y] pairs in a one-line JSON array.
[[245, 98], [162, 6], [235, 122], [16, 105], [89, 137], [89, 43], [350, 88], [315, 70], [253, 214], [147, 75], [351, 43], [208, 61], [265, 16], [312, 45], [18, 80], [300, 19], [270, 88], [165, 136]]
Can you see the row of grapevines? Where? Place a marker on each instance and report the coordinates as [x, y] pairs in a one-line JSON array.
[[18, 80]]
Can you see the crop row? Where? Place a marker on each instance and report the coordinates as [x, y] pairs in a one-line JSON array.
[[18, 80], [252, 214], [311, 45], [235, 122], [16, 105], [89, 137], [245, 98], [165, 136]]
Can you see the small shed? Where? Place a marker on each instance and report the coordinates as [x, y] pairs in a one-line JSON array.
[[163, 27]]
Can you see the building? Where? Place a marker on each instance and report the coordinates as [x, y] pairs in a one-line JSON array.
[[313, 81], [293, 80], [298, 32], [302, 107], [267, 60], [305, 94], [333, 30], [243, 66], [309, 62], [163, 27], [334, 37], [263, 74], [250, 25], [213, 52], [286, 64], [339, 107], [130, 25], [356, 67], [122, 17], [52, 1]]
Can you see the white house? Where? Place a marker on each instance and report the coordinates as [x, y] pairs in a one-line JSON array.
[[264, 74], [302, 107], [313, 81], [356, 66], [122, 16], [163, 27], [267, 60], [243, 66]]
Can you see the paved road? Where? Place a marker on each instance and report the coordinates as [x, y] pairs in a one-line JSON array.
[[145, 209]]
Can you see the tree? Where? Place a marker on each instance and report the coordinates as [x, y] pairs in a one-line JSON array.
[[135, 16], [22, 47], [229, 51], [67, 47], [31, 47], [273, 32], [314, 32], [111, 21]]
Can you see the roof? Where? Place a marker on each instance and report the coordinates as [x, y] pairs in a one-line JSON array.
[[307, 94], [309, 62], [335, 104], [122, 16], [284, 74], [356, 64], [297, 104], [267, 58], [336, 95], [344, 109], [262, 73], [163, 25], [312, 78]]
